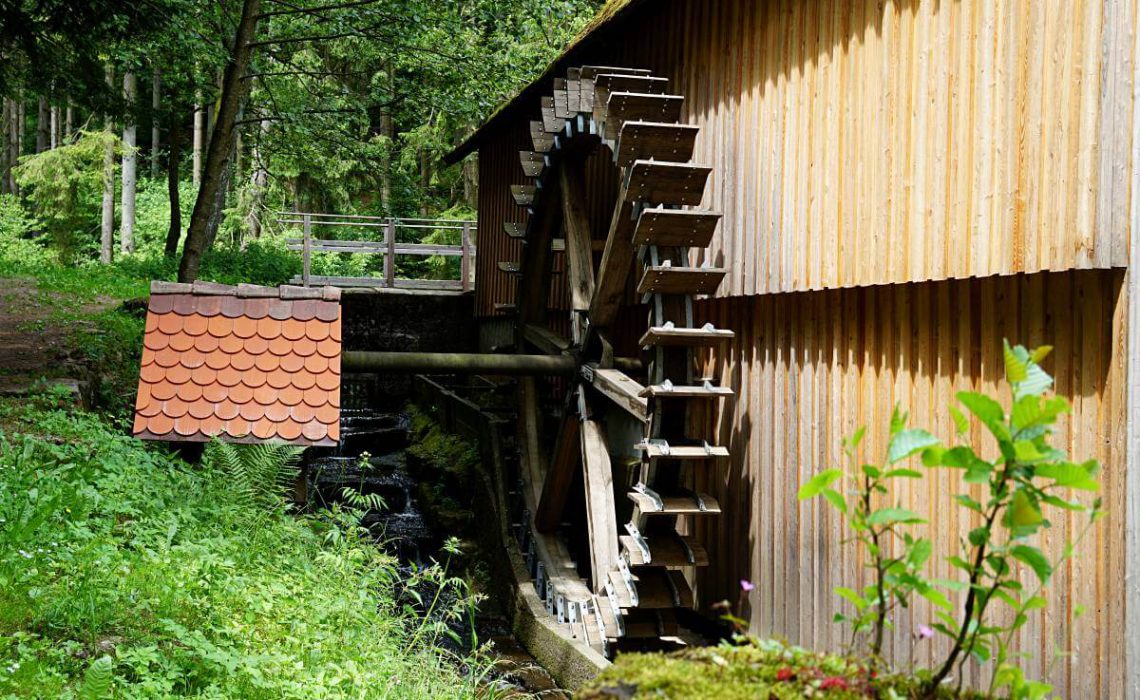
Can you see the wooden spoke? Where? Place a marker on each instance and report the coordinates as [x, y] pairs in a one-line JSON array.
[[619, 388], [600, 514], [545, 340], [556, 487], [617, 259], [576, 225]]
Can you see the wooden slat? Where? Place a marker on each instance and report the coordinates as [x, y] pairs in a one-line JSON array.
[[685, 337], [542, 141], [561, 109], [659, 279], [514, 229], [623, 107], [545, 339], [667, 183], [617, 259], [576, 226], [590, 72], [674, 505], [661, 589], [652, 140], [532, 163], [675, 227], [654, 450], [551, 124], [559, 475], [619, 388], [682, 391], [524, 194], [598, 481], [624, 82], [666, 550], [511, 268]]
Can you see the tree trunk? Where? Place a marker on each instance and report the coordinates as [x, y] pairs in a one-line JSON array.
[[174, 136], [425, 180], [155, 105], [258, 183], [56, 127], [42, 125], [69, 122], [130, 166], [215, 175], [199, 138], [471, 182], [107, 230], [387, 131], [6, 147]]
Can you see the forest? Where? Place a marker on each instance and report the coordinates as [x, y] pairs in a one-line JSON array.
[[176, 127]]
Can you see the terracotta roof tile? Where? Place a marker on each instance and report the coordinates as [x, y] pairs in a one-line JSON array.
[[246, 363]]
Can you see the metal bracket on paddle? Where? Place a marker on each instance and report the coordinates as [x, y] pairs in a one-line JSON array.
[[652, 495], [628, 580], [638, 540]]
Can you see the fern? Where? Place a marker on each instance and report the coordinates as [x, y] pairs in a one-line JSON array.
[[97, 681], [259, 473]]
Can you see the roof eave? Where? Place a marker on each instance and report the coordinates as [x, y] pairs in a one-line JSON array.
[[589, 37]]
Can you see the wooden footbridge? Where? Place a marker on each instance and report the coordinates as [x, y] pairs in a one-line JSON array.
[[378, 236]]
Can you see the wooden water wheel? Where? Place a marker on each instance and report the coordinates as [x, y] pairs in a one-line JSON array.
[[632, 575]]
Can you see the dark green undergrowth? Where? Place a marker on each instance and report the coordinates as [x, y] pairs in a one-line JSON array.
[[752, 669], [123, 565]]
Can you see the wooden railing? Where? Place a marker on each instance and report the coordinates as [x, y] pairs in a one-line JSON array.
[[387, 247]]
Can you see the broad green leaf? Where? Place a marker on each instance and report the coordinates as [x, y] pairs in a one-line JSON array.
[[1026, 452], [888, 516], [852, 597], [920, 552], [835, 499], [1040, 353], [961, 423], [1062, 503], [1070, 475], [906, 442], [960, 563], [1016, 363], [818, 483], [978, 472], [936, 597], [1023, 512], [898, 420], [906, 473], [1034, 559], [987, 410], [968, 502], [1035, 603], [871, 471], [978, 536]]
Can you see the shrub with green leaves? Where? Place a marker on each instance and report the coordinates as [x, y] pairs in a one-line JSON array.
[[126, 572], [1026, 477]]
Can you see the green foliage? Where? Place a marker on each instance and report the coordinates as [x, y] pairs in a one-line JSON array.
[[897, 557], [1027, 475], [259, 474], [113, 549], [65, 187], [97, 681], [752, 668]]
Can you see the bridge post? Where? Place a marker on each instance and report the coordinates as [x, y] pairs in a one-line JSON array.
[[306, 247], [390, 254], [465, 261]]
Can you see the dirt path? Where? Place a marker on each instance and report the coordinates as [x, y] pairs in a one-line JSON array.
[[34, 343]]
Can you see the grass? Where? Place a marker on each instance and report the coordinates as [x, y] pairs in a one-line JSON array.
[[112, 548]]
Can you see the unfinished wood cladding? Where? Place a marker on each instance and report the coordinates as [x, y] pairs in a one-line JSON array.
[[810, 368], [867, 142]]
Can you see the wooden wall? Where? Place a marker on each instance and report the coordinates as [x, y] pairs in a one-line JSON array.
[[810, 368], [861, 142]]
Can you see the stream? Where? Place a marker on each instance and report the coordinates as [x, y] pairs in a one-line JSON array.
[[403, 528]]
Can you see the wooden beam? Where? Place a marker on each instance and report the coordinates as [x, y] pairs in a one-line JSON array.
[[619, 388], [556, 487], [456, 363], [576, 226], [534, 288], [545, 339], [601, 517], [617, 259]]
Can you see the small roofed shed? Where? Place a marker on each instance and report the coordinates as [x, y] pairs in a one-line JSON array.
[[240, 363], [902, 185]]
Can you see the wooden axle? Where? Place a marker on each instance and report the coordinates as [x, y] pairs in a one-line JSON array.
[[467, 363]]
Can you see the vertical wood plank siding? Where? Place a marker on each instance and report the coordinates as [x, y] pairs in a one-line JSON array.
[[858, 142], [888, 173], [810, 368]]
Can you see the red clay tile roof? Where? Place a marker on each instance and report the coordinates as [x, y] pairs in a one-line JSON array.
[[246, 363]]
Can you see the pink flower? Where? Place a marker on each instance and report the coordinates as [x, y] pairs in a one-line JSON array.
[[785, 674], [746, 585], [925, 632], [833, 682]]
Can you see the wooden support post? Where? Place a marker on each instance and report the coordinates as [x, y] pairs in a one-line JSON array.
[[306, 248], [301, 487], [465, 261], [390, 254]]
